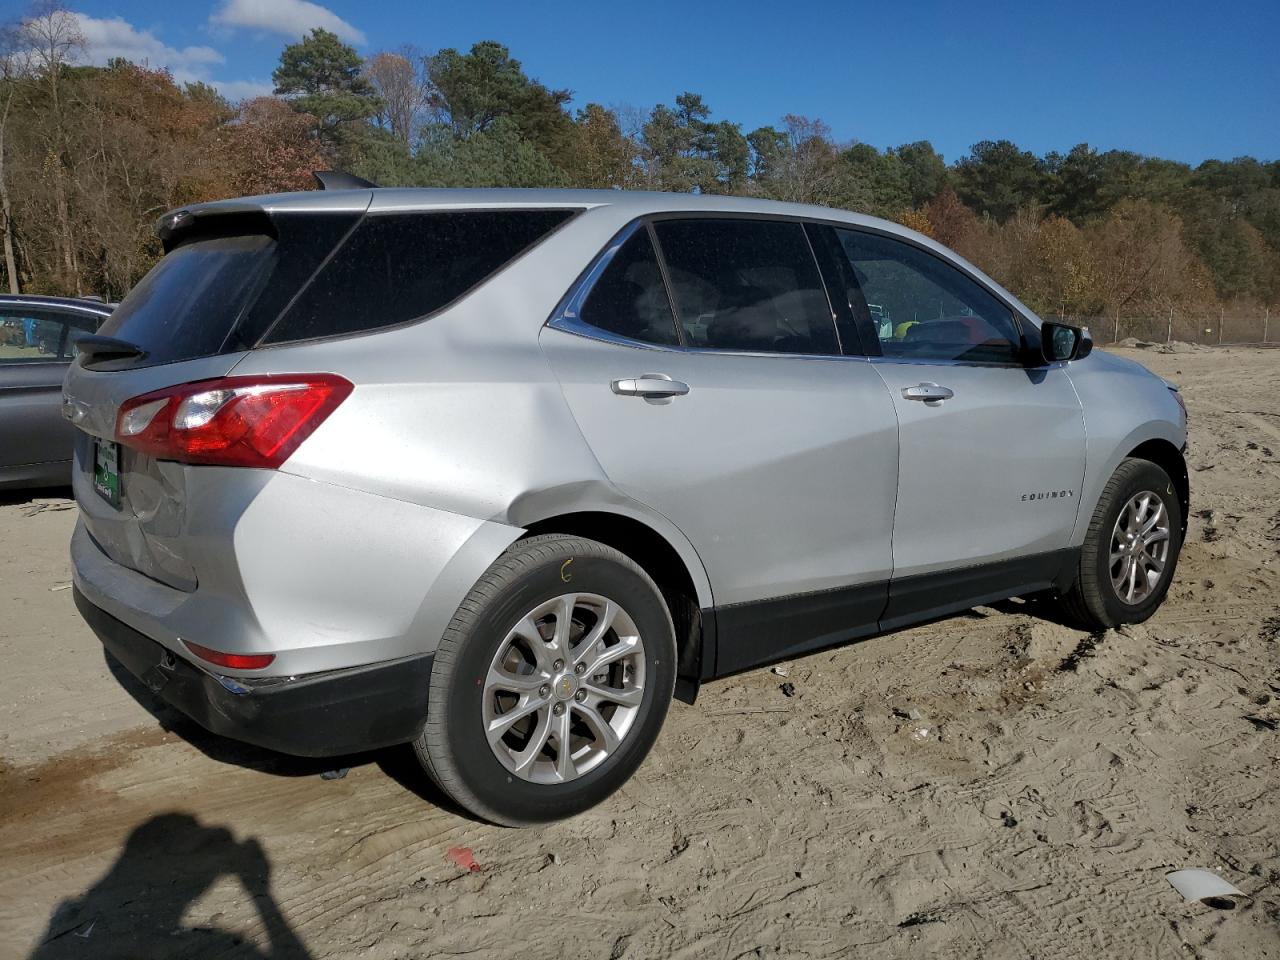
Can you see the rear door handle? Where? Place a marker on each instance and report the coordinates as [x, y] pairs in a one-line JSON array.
[[928, 392], [650, 385]]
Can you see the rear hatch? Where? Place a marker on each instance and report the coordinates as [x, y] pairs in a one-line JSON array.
[[238, 276], [229, 272]]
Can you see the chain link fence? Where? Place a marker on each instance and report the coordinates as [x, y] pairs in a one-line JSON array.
[[1203, 327]]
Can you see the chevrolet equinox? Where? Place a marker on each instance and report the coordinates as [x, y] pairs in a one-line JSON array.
[[498, 472]]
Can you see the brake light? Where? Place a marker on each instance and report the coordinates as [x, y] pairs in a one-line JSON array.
[[236, 661], [231, 421]]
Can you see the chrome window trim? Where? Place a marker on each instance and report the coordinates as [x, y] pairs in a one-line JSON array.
[[581, 329], [566, 317], [74, 309], [588, 332]]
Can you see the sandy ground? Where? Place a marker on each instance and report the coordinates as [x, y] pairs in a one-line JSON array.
[[995, 785]]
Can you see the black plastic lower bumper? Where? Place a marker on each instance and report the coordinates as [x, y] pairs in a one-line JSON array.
[[330, 714]]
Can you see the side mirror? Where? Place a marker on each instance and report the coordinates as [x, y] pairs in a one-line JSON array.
[[1059, 342]]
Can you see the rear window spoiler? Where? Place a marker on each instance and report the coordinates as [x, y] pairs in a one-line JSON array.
[[223, 220], [95, 347], [237, 219]]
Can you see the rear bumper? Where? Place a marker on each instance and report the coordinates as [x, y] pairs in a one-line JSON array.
[[323, 577], [334, 713]]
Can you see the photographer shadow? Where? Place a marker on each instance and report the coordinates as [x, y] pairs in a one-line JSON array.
[[137, 909]]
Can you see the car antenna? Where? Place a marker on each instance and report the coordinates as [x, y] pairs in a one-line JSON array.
[[339, 180]]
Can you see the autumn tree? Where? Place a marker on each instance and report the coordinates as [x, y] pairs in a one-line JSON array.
[[51, 40], [1144, 261], [270, 149], [952, 223], [11, 68]]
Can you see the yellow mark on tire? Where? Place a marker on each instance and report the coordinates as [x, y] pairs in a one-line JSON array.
[[565, 575]]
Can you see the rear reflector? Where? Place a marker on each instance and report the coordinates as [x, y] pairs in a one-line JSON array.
[[236, 661], [231, 421]]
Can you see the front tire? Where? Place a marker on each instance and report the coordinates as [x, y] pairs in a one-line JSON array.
[[1130, 551], [550, 684]]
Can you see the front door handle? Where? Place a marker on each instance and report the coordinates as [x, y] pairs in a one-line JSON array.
[[928, 392], [650, 386]]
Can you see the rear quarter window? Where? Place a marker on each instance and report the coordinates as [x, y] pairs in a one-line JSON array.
[[400, 267]]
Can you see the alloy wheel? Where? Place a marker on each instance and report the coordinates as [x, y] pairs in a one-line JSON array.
[[1139, 547], [564, 688]]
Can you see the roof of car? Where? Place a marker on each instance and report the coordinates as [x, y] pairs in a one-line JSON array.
[[629, 203], [633, 202], [65, 303]]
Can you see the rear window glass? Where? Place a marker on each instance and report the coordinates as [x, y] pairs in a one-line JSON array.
[[227, 293], [398, 267], [749, 285], [186, 306]]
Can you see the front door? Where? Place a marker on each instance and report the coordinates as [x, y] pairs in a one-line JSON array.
[[991, 451]]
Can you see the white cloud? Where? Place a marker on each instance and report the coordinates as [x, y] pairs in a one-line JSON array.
[[291, 18], [242, 89], [105, 39]]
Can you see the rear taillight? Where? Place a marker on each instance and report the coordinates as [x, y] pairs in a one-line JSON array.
[[232, 421], [236, 661]]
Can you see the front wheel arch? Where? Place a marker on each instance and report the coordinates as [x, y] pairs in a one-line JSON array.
[[1171, 460]]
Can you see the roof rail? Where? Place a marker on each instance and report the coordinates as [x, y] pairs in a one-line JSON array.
[[338, 180]]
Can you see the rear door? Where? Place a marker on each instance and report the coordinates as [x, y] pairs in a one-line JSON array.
[[36, 346], [991, 448], [737, 418]]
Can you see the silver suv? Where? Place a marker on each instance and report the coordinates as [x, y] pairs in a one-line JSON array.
[[499, 473]]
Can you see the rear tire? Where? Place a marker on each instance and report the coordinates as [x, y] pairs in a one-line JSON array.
[[504, 654], [1117, 580]]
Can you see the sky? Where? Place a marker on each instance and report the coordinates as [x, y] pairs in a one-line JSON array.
[[1186, 81]]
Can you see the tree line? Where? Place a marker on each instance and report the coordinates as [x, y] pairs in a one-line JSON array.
[[90, 156]]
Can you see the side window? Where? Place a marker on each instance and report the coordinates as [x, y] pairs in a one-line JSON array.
[[32, 336], [629, 298], [747, 285], [923, 308], [399, 267]]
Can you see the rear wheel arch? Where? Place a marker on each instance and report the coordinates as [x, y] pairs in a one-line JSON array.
[[663, 562]]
